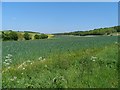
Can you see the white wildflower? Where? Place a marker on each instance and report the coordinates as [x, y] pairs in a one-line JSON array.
[[7, 64], [24, 63], [28, 61], [9, 67], [45, 65], [40, 58], [6, 60], [9, 59], [43, 60], [93, 58], [18, 81], [9, 55], [116, 42], [23, 68], [20, 66], [15, 77], [11, 79]]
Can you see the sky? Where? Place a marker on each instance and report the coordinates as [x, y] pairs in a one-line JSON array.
[[55, 17], [60, 0]]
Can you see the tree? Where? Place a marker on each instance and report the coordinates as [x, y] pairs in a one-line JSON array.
[[43, 36], [9, 36], [5, 36], [26, 36], [117, 28], [13, 35], [37, 36]]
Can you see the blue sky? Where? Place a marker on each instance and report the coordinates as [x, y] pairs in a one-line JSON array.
[[56, 17]]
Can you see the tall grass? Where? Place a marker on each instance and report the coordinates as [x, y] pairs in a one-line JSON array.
[[63, 62]]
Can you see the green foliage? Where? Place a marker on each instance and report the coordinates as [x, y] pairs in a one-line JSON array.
[[117, 28], [37, 36], [64, 62], [27, 36], [99, 31], [13, 35], [9, 36], [5, 36], [41, 36]]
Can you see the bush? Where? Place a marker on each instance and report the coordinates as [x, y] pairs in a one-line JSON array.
[[9, 36], [117, 28], [27, 36], [43, 36], [37, 36], [13, 36], [5, 36]]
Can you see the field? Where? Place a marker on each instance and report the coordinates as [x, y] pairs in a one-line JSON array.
[[61, 62]]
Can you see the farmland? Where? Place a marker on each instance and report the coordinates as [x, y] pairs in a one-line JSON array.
[[61, 62]]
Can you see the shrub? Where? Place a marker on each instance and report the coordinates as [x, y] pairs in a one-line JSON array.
[[5, 36], [9, 36], [117, 28], [26, 36], [43, 36], [13, 35], [37, 36]]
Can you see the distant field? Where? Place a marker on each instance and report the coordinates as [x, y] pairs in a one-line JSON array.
[[61, 62]]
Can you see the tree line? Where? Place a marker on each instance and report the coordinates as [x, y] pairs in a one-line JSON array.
[[12, 35], [99, 31]]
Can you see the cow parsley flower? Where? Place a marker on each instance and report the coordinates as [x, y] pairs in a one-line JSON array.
[[8, 60], [15, 77], [23, 68], [93, 58], [40, 58]]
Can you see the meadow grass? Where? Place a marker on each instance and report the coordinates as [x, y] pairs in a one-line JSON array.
[[63, 62]]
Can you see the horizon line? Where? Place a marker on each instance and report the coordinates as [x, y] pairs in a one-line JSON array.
[[57, 32]]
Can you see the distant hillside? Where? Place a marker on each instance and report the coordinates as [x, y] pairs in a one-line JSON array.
[[23, 35], [99, 31]]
